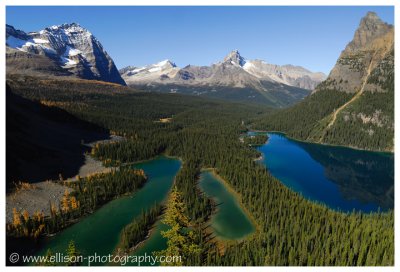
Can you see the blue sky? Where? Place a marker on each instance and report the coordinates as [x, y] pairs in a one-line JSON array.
[[312, 37]]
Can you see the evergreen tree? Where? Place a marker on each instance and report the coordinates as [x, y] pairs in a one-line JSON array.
[[181, 240], [73, 254]]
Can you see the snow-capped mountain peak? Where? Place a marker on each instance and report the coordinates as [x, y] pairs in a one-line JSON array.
[[65, 31], [72, 46], [166, 62], [159, 71], [162, 65], [66, 26]]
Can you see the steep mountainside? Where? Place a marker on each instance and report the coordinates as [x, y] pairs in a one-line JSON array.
[[234, 78], [354, 106], [68, 49]]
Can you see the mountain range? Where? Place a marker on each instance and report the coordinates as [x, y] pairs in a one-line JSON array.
[[354, 106], [358, 94], [232, 78], [71, 50]]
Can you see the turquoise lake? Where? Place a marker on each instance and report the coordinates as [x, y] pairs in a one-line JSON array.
[[99, 233], [229, 222]]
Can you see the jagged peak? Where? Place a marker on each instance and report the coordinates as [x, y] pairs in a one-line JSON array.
[[370, 28], [234, 57], [372, 22], [371, 17], [67, 27], [9, 27]]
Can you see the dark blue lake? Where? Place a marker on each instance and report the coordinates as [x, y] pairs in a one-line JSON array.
[[341, 178]]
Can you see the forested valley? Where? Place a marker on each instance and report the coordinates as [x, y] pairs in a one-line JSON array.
[[205, 134]]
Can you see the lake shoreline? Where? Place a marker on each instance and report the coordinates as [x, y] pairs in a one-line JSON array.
[[118, 252], [323, 144], [238, 199], [120, 213]]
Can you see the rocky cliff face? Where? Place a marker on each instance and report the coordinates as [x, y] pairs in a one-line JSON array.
[[73, 48], [372, 41]]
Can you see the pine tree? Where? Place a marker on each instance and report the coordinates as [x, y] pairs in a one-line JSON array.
[[72, 254], [181, 240]]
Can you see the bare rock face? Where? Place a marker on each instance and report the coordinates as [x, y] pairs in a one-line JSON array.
[[370, 28], [372, 41], [73, 48]]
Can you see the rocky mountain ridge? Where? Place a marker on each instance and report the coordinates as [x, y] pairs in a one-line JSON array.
[[234, 70], [233, 78]]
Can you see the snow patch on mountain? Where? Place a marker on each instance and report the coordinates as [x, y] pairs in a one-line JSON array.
[[29, 45], [40, 41], [67, 63], [69, 51]]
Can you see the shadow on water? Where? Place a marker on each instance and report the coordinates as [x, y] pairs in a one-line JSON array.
[[366, 176]]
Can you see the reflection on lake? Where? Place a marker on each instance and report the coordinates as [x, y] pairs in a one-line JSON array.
[[341, 178]]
